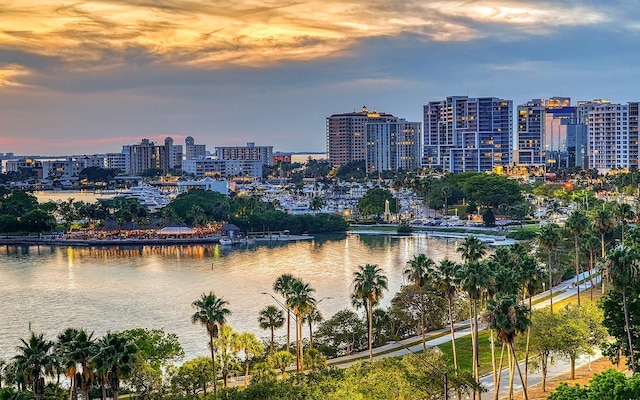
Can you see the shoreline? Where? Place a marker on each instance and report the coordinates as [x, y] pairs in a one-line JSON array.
[[57, 241]]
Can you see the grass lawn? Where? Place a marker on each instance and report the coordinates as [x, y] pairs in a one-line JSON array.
[[465, 352]]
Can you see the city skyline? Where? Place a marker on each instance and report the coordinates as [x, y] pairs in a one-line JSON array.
[[91, 76]]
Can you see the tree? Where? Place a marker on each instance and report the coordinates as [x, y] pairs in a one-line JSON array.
[[604, 223], [37, 220], [373, 202], [281, 360], [578, 224], [192, 377], [509, 318], [34, 361], [445, 278], [622, 212], [114, 360], [282, 286], [314, 316], [474, 278], [249, 344], [573, 335], [590, 242], [369, 283], [420, 267], [548, 238], [622, 264], [155, 347], [212, 314], [543, 342], [472, 249], [301, 302], [342, 334], [271, 318], [76, 348]]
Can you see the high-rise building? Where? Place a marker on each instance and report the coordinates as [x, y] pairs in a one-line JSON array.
[[147, 155], [194, 151], [346, 134], [250, 152], [612, 134], [393, 145], [550, 133], [468, 134]]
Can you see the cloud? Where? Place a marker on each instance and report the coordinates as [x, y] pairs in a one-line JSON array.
[[102, 34]]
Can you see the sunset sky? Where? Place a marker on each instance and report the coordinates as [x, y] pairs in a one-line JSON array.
[[86, 77]]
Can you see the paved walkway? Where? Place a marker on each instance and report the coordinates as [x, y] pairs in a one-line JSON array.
[[463, 328]]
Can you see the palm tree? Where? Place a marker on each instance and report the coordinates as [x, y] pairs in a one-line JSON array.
[[445, 276], [249, 344], [114, 359], [622, 263], [301, 302], [34, 361], [76, 348], [445, 193], [225, 342], [548, 238], [509, 318], [70, 365], [578, 224], [420, 267], [474, 277], [281, 360], [271, 318], [604, 223], [368, 284], [622, 212], [472, 249], [282, 286], [313, 317], [212, 314], [590, 242]]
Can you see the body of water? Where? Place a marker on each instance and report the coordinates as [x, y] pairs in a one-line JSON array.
[[117, 288]]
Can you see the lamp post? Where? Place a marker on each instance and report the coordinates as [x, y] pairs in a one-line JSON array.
[[445, 375]]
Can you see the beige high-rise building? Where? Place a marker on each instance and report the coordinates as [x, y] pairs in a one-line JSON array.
[[347, 135]]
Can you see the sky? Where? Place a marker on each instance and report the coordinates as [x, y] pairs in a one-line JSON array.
[[86, 77]]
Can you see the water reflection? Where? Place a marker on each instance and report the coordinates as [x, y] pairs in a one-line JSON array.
[[116, 288]]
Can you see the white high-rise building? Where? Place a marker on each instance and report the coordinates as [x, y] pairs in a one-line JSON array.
[[393, 145]]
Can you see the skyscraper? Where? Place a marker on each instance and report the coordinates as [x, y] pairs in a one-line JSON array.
[[468, 134], [346, 134], [393, 145]]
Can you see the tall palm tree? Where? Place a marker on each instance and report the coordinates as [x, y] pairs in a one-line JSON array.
[[34, 361], [301, 302], [623, 265], [114, 359], [578, 224], [445, 193], [590, 242], [509, 318], [282, 286], [369, 283], [445, 277], [249, 344], [212, 313], [474, 277], [418, 272], [76, 348], [472, 249], [225, 343], [622, 213], [69, 364], [548, 237], [604, 223], [271, 318], [313, 317]]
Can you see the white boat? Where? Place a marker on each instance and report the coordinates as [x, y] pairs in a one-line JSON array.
[[148, 195], [226, 241]]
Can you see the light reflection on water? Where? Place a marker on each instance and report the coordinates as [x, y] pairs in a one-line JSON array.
[[115, 288]]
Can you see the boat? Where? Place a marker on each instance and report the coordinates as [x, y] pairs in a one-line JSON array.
[[148, 195], [226, 241]]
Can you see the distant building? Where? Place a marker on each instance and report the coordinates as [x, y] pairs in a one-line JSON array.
[[468, 134], [612, 131], [194, 151], [550, 132], [281, 157], [250, 152], [220, 186], [223, 168], [119, 161], [393, 145], [346, 134], [147, 155]]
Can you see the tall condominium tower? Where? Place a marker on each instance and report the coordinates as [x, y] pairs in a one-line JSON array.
[[393, 145], [194, 151], [346, 134], [612, 134], [550, 133], [468, 134], [146, 155]]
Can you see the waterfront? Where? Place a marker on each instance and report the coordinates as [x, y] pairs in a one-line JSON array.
[[112, 288]]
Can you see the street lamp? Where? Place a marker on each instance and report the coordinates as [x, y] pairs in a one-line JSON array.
[[427, 364]]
